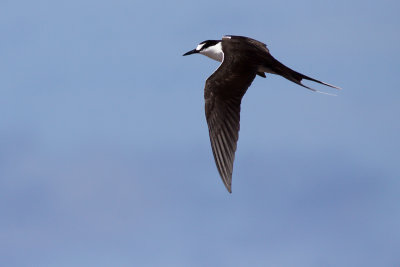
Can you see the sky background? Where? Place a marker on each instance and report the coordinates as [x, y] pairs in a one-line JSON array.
[[104, 150]]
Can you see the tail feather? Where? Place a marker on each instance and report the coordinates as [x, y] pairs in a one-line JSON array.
[[317, 81], [298, 81], [296, 77]]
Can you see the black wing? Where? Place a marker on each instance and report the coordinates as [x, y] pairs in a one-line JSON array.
[[223, 94]]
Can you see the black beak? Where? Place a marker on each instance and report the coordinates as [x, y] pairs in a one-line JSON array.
[[194, 51]]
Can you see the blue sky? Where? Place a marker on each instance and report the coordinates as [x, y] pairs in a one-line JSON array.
[[104, 152]]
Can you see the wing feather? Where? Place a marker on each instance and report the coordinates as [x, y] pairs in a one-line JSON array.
[[223, 94]]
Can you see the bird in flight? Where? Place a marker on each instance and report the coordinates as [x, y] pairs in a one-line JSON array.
[[242, 59]]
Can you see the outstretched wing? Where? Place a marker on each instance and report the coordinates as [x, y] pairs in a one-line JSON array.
[[223, 119], [223, 94]]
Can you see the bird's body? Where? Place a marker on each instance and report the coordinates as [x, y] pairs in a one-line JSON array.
[[242, 59]]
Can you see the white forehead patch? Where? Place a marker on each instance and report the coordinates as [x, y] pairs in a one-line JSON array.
[[198, 48]]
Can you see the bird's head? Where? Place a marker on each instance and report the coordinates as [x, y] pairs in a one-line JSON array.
[[209, 48]]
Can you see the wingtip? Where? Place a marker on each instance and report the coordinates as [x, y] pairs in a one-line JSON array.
[[229, 188]]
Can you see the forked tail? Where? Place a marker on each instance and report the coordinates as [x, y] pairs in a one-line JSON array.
[[296, 77]]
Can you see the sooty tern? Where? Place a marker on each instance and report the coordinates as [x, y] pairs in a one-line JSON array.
[[242, 59]]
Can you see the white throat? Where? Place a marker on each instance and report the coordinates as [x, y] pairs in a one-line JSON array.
[[214, 52]]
